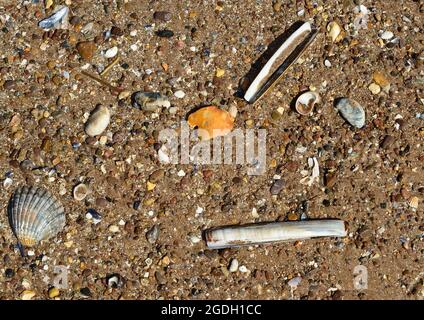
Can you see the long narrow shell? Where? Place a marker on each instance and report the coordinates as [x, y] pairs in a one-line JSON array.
[[35, 215], [235, 236], [291, 47], [211, 122]]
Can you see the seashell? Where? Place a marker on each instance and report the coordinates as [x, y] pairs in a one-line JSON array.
[[59, 16], [292, 48], [98, 121], [306, 101], [80, 192], [334, 31], [149, 101], [351, 111], [35, 215], [211, 121], [264, 233]]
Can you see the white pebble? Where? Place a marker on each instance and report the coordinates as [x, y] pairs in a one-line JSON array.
[[30, 253], [110, 53], [199, 210], [243, 269], [386, 35], [134, 47], [327, 63], [179, 94], [98, 121], [181, 173], [233, 265], [114, 228], [293, 283]]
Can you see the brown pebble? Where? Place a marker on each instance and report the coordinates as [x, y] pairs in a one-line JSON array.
[[387, 142], [86, 49], [162, 16], [157, 175]]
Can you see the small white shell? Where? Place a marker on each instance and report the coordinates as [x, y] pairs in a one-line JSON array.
[[306, 101], [351, 111], [35, 215], [80, 192], [98, 121]]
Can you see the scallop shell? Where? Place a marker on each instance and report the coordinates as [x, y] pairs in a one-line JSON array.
[[306, 101], [352, 111], [35, 215]]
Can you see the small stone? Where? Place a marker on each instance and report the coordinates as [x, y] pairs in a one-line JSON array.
[[124, 94], [53, 293], [165, 33], [85, 292], [334, 30], [374, 88], [150, 186], [113, 228], [153, 234], [27, 295], [9, 273], [162, 16], [110, 53], [179, 94], [413, 202], [233, 265], [219, 72], [294, 282], [98, 121], [293, 216], [243, 269], [157, 175], [387, 142], [116, 31], [387, 35], [86, 49], [277, 186]]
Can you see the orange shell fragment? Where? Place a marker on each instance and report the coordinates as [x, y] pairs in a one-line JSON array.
[[212, 122]]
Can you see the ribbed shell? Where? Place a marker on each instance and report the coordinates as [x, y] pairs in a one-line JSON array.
[[35, 215]]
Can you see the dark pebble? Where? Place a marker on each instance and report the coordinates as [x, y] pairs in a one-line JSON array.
[[277, 186], [8, 84], [9, 273], [165, 33], [85, 292], [116, 31], [162, 15], [387, 142]]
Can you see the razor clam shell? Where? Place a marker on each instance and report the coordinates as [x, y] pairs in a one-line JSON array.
[[257, 88], [56, 18], [236, 236], [351, 111], [34, 215]]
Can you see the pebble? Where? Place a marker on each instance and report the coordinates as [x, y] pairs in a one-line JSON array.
[[86, 49], [277, 186], [334, 31], [113, 228], [243, 269], [80, 192], [157, 175], [53, 293], [85, 292], [234, 264], [165, 33], [149, 101], [153, 234], [374, 88], [162, 16], [150, 186], [351, 111], [294, 282], [98, 121], [387, 35], [387, 142], [27, 295], [219, 72], [179, 94], [110, 53]]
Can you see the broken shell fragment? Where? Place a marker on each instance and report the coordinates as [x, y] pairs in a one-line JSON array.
[[290, 50], [80, 192], [150, 101], [59, 17], [351, 111], [35, 215], [264, 233], [211, 122], [98, 121], [334, 31], [306, 101]]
